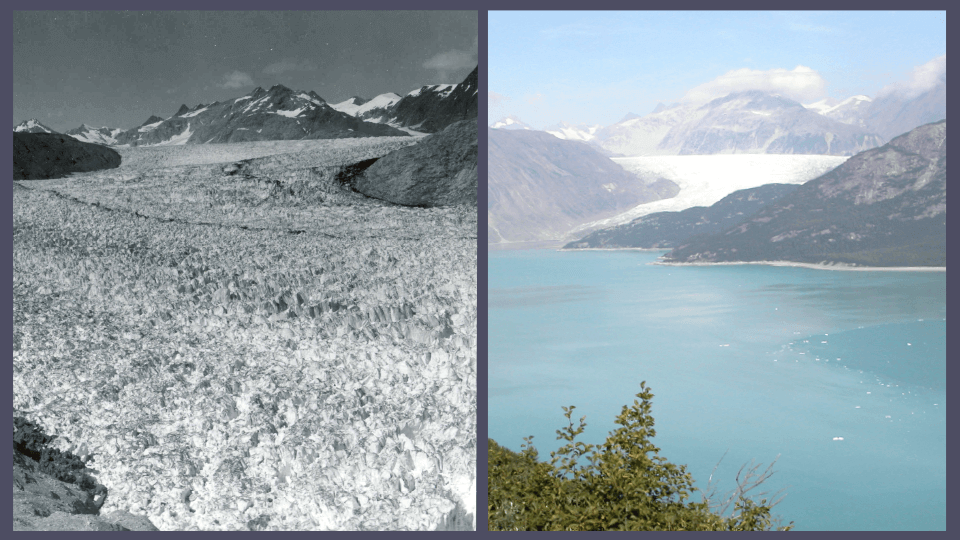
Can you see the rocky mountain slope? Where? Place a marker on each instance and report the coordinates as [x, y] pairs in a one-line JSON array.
[[670, 229], [440, 170], [895, 113], [883, 207], [32, 126], [432, 108], [275, 114], [39, 156], [540, 186]]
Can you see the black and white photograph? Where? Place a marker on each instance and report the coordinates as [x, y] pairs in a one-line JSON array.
[[245, 270]]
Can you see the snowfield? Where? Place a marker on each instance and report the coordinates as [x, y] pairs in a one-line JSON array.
[[704, 180], [241, 343]]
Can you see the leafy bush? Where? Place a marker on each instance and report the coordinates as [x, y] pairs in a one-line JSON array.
[[622, 484]]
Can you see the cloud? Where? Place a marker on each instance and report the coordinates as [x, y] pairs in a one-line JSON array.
[[451, 60], [922, 78], [801, 83], [237, 79], [535, 98], [454, 60], [496, 100], [289, 64]]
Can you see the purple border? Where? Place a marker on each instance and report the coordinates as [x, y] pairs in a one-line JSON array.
[[482, 5]]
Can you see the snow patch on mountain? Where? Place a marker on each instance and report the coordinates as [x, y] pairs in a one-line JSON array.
[[177, 140], [149, 127], [194, 113], [291, 114], [570, 132], [704, 180], [442, 89]]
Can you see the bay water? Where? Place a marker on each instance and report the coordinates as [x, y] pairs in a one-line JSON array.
[[842, 374]]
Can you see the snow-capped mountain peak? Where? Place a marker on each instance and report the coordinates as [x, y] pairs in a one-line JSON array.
[[582, 132], [32, 126], [102, 135], [510, 122]]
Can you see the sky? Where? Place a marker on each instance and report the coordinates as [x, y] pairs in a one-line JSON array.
[[596, 67], [117, 68]]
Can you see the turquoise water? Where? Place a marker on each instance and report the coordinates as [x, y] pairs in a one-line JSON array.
[[754, 361]]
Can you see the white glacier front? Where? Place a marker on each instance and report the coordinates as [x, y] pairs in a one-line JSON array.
[[704, 180]]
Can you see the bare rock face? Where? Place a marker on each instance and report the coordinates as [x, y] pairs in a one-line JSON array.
[[441, 170], [39, 156], [44, 501], [540, 187]]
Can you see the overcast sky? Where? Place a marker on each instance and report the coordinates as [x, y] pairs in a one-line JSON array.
[[117, 68], [595, 67]]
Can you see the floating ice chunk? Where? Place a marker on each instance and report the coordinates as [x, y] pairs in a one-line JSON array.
[[838, 438]]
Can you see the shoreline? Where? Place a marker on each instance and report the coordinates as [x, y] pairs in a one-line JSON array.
[[814, 266]]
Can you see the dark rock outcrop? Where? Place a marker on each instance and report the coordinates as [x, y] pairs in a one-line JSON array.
[[440, 170], [883, 207], [53, 492], [540, 187], [670, 229], [38, 156]]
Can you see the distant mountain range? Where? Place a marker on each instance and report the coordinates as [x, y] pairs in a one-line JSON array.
[[540, 187], [883, 207], [284, 114], [749, 122], [757, 122]]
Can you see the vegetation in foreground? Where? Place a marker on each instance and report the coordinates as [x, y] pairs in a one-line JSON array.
[[620, 485]]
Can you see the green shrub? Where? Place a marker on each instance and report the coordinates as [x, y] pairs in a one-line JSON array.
[[622, 484]]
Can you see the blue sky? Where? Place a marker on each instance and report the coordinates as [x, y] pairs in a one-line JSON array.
[[595, 67]]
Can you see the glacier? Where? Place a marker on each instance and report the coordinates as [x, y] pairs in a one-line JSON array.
[[704, 180]]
